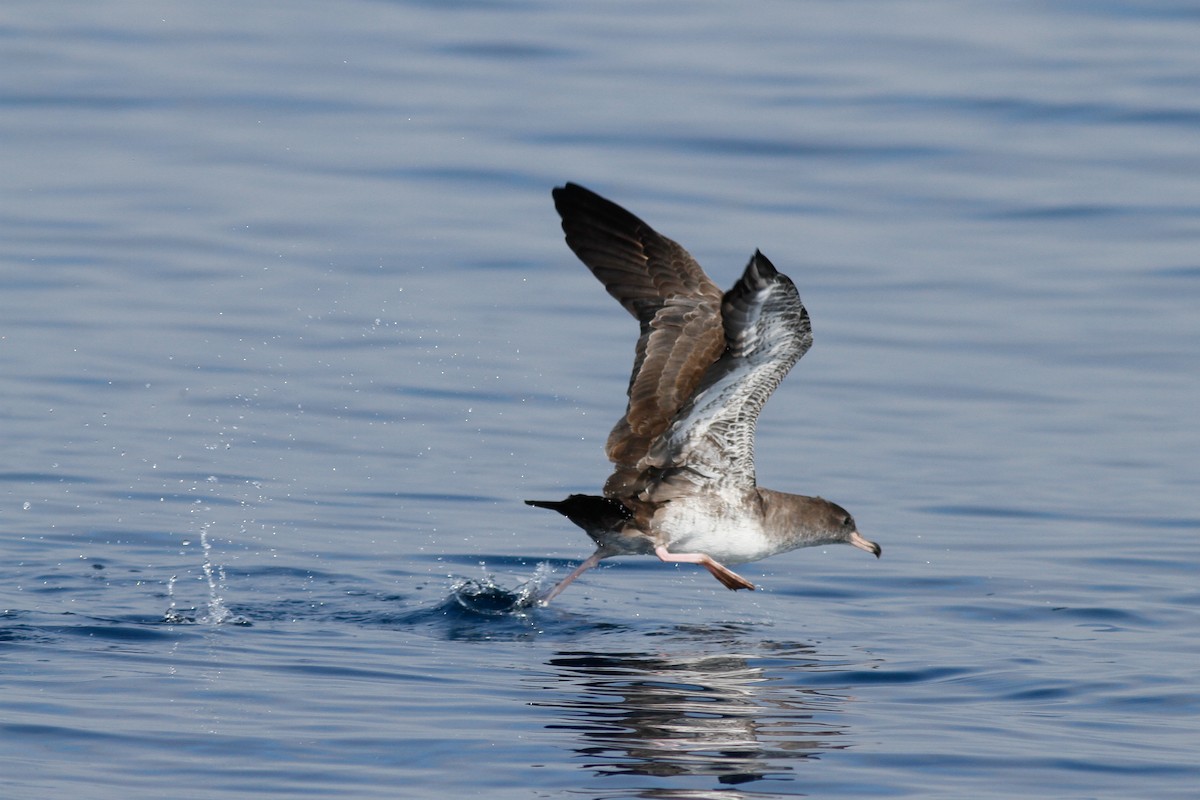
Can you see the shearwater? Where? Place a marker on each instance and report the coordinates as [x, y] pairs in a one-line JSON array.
[[683, 487]]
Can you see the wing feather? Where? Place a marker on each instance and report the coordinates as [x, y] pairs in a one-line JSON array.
[[677, 307], [767, 330]]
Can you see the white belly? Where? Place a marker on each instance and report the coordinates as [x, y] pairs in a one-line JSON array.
[[714, 529]]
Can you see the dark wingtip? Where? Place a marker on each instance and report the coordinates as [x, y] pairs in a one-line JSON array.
[[759, 273], [574, 203], [571, 190], [764, 265]]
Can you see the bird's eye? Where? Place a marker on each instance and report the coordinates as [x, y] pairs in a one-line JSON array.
[[847, 522]]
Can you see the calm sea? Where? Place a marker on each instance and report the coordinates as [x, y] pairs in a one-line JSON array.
[[288, 331]]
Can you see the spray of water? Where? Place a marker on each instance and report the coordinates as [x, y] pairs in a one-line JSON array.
[[215, 611], [215, 577], [485, 596]]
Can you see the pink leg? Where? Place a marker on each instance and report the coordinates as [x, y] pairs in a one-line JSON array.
[[729, 578], [587, 564]]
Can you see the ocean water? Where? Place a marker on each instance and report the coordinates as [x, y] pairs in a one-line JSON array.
[[288, 332]]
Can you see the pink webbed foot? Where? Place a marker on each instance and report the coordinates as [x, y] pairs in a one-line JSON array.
[[728, 578]]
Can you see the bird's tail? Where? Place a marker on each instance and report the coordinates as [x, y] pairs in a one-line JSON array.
[[588, 511], [553, 505]]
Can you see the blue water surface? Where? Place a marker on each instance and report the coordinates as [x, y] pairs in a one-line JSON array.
[[288, 331]]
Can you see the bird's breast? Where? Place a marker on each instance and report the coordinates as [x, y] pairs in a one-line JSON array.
[[729, 532]]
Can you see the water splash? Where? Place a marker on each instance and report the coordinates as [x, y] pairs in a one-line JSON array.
[[485, 596], [172, 616], [215, 577], [216, 612]]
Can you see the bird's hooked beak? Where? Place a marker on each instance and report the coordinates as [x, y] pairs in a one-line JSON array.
[[862, 543]]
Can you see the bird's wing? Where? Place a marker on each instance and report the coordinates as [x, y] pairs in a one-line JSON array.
[[676, 304], [767, 330]]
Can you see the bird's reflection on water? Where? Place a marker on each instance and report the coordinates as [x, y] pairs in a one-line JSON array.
[[712, 709]]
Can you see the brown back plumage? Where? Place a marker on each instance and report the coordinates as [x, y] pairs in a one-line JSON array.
[[677, 306]]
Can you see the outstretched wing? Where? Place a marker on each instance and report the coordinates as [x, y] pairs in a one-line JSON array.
[[676, 304], [767, 330]]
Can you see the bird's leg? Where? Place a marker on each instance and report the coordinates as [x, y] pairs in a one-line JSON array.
[[587, 564], [728, 578]]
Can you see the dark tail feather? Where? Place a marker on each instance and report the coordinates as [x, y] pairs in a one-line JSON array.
[[588, 511], [553, 505]]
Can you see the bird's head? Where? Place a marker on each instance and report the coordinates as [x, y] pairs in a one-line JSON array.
[[840, 527]]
